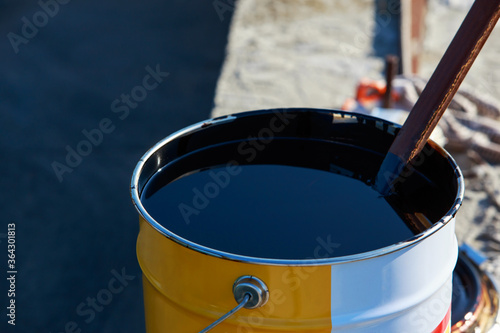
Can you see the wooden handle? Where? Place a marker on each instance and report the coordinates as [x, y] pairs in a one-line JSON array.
[[439, 91]]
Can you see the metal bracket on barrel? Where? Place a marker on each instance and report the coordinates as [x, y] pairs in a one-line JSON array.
[[250, 293]]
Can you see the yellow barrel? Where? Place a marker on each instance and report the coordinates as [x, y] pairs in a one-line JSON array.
[[185, 291], [402, 287]]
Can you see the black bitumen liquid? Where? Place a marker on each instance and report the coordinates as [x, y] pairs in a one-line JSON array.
[[276, 211]]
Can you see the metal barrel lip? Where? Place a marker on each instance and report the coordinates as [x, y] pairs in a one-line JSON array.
[[139, 169]]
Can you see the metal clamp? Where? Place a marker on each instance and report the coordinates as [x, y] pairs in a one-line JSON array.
[[250, 293]]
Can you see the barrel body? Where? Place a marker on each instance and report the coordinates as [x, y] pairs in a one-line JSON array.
[[408, 291]]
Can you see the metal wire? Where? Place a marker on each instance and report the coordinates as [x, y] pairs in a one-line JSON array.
[[243, 302]]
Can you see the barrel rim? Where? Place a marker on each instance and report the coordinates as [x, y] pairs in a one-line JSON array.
[[134, 191]]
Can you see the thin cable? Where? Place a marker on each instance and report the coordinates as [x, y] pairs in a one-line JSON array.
[[243, 302]]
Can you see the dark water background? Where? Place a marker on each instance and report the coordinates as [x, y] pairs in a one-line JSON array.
[[73, 233]]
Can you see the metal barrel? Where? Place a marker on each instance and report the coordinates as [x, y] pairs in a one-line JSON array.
[[405, 287]]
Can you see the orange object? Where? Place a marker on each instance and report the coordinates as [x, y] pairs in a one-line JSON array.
[[369, 94], [370, 91]]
